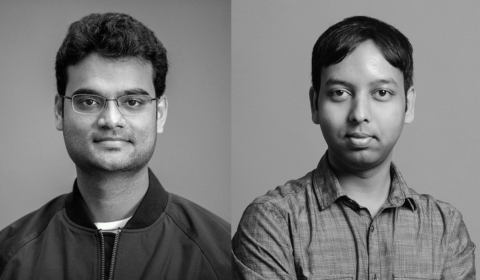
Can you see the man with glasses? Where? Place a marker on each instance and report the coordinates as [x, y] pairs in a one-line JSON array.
[[118, 222]]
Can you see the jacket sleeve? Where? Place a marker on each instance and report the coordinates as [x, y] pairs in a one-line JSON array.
[[460, 262], [261, 247]]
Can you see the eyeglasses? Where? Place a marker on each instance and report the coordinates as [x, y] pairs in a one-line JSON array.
[[94, 104]]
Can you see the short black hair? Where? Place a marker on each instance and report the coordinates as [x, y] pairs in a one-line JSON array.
[[342, 38], [113, 36]]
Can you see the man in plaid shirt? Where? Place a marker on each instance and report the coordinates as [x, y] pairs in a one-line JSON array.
[[354, 217]]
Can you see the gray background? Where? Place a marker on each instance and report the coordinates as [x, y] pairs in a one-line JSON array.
[[273, 137], [265, 137], [192, 156]]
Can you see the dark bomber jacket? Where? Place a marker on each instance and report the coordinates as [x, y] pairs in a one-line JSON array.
[[168, 237]]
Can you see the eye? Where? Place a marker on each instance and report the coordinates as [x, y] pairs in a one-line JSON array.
[[87, 101], [382, 94], [132, 102], [339, 94]]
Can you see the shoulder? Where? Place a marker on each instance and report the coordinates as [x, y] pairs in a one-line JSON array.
[[27, 228], [427, 205], [445, 221], [193, 216], [265, 232], [284, 200], [33, 223], [274, 214], [208, 231], [438, 215]]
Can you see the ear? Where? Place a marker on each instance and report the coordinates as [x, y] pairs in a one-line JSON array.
[[314, 105], [58, 108], [410, 103], [162, 108]]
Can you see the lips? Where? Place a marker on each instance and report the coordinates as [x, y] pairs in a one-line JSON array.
[[103, 139], [359, 135], [114, 142], [360, 140]]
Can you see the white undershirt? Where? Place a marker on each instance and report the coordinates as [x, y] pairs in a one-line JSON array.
[[112, 226]]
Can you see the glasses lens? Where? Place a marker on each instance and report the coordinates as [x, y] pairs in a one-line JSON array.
[[88, 104], [133, 104]]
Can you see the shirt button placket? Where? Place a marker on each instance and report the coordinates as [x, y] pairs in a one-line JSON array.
[[374, 261]]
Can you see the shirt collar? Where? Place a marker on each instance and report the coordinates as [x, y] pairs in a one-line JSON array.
[[150, 208], [400, 194], [328, 189]]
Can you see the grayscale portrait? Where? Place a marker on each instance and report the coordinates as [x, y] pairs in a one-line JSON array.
[[96, 181], [326, 95]]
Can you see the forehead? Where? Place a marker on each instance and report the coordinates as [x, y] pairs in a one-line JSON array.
[[364, 65], [110, 77]]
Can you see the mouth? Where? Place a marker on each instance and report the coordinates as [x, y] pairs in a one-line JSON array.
[[111, 139], [360, 140], [112, 142]]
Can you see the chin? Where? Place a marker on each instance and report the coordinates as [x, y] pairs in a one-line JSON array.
[[355, 159], [109, 164], [113, 167], [120, 164], [365, 159]]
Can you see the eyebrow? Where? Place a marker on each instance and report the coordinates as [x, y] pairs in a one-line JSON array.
[[134, 91], [333, 81], [383, 82], [86, 91]]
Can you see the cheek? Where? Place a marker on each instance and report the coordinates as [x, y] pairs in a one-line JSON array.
[[391, 121], [332, 119], [146, 129], [73, 136], [332, 131], [75, 131]]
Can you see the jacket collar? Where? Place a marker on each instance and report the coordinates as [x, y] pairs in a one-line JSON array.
[[328, 189], [150, 208]]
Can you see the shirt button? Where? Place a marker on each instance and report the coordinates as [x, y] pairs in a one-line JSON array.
[[372, 228]]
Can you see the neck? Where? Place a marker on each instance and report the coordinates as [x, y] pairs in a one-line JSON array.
[[368, 187], [112, 196]]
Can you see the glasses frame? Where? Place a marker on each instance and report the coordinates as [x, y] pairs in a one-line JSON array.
[[105, 104]]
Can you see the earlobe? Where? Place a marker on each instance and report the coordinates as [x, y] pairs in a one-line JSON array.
[[314, 105], [58, 110], [162, 108], [410, 103]]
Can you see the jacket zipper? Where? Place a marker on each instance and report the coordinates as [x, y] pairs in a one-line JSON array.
[[114, 251]]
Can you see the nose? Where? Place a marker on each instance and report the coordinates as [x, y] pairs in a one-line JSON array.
[[360, 110], [111, 117]]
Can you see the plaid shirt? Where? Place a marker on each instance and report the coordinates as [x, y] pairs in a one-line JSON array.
[[310, 229]]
